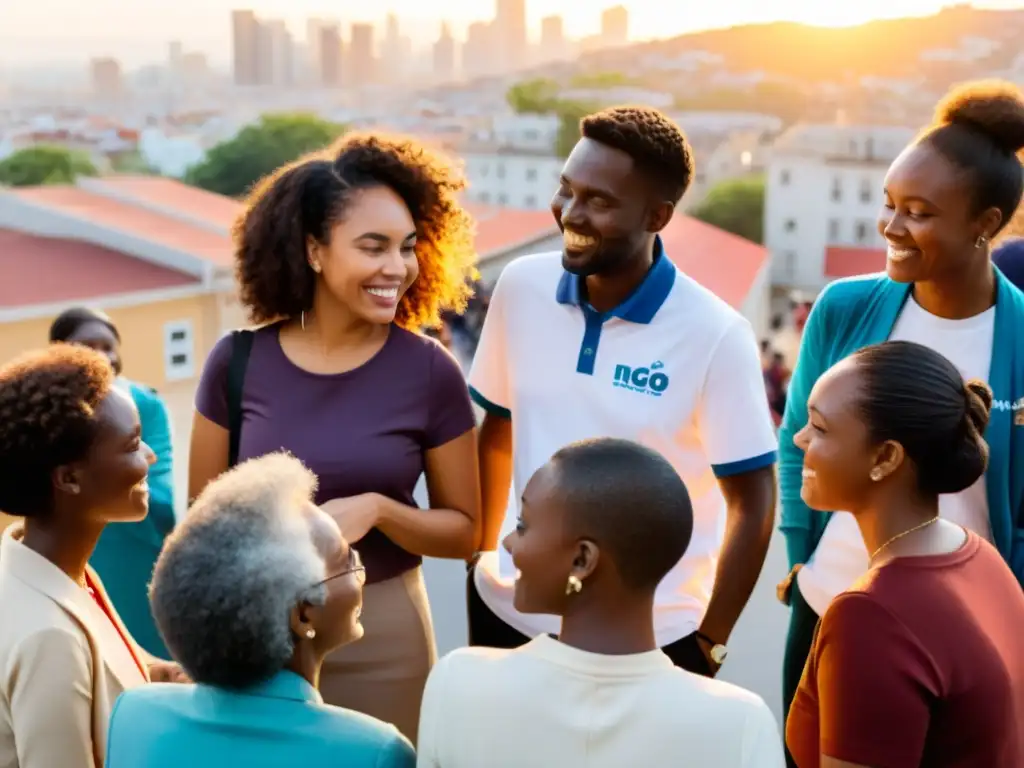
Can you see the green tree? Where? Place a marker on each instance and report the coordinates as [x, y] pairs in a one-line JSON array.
[[600, 80], [533, 97], [736, 206], [233, 166], [569, 115], [44, 165]]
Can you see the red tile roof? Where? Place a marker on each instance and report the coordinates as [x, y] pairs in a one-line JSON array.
[[847, 262], [71, 270], [724, 263], [177, 197], [499, 230], [133, 220]]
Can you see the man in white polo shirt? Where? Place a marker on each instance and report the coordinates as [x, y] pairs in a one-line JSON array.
[[608, 339]]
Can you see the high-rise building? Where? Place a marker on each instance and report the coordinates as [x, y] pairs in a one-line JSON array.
[[444, 55], [279, 54], [329, 56], [480, 54], [553, 44], [510, 29], [615, 26], [362, 59], [246, 47], [106, 77]]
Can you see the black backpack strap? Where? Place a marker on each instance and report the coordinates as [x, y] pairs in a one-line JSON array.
[[241, 347]]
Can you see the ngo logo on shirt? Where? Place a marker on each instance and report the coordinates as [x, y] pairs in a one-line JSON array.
[[651, 381], [1016, 407]]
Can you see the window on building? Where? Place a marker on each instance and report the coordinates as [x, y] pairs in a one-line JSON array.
[[833, 230], [500, 172], [788, 265], [837, 190], [865, 190], [784, 178], [179, 351], [863, 230], [485, 197], [485, 170], [502, 199], [531, 174], [790, 225], [530, 201]]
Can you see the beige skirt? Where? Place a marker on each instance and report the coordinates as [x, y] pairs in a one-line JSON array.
[[384, 674]]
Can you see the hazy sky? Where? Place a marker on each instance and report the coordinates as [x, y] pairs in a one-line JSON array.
[[137, 31]]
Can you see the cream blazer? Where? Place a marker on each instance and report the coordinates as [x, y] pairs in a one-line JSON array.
[[62, 664]]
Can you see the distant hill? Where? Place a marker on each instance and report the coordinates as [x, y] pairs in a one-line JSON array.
[[887, 48]]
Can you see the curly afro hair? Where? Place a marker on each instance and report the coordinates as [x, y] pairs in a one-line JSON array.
[[657, 145], [979, 127], [48, 402], [306, 198]]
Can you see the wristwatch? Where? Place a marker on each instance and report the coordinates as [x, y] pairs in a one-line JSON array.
[[718, 651]]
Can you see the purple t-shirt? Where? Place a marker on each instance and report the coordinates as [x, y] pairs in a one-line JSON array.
[[361, 431]]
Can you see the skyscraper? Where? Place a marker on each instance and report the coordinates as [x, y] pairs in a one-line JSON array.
[[245, 38], [615, 26], [552, 39], [444, 55], [362, 60], [510, 29]]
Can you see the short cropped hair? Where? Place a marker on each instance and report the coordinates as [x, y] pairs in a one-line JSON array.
[[230, 574], [657, 145], [48, 402], [631, 501]]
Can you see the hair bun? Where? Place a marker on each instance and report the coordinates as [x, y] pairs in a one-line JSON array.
[[979, 404], [992, 107]]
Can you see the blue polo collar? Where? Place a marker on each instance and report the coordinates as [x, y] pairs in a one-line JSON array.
[[285, 685], [640, 306]]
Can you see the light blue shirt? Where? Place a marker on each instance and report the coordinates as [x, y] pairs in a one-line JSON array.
[[278, 723]]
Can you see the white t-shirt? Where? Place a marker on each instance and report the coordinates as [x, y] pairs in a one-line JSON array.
[[547, 705], [674, 368], [841, 556]]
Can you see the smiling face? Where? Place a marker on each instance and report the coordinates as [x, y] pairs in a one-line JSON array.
[[928, 220], [606, 209], [337, 621], [542, 550], [839, 457], [109, 484], [370, 260]]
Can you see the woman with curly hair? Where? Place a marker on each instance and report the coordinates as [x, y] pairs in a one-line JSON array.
[[346, 256], [72, 460], [947, 196]]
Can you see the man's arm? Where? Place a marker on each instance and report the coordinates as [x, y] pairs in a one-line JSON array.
[[739, 440], [750, 505], [495, 452]]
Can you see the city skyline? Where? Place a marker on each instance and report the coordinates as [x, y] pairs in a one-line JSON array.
[[30, 38]]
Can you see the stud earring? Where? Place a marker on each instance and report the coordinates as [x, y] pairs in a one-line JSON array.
[[573, 586], [316, 267], [876, 474], [310, 633], [981, 242]]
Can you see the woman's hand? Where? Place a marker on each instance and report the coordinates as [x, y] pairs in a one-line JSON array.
[[355, 515], [167, 672]]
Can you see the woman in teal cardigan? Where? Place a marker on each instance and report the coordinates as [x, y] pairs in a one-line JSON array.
[[127, 552], [947, 195]]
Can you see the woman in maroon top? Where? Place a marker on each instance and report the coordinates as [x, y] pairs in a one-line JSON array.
[[921, 663], [347, 255]]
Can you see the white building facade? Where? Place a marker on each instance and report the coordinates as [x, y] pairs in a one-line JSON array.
[[824, 189]]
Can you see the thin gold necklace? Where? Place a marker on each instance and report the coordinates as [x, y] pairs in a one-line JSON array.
[[907, 532]]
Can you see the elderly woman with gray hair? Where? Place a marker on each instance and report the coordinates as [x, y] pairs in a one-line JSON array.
[[251, 592]]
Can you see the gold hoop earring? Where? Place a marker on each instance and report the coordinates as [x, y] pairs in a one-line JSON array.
[[302, 320], [573, 586]]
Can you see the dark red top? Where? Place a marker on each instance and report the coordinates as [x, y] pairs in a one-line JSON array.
[[920, 664], [91, 589]]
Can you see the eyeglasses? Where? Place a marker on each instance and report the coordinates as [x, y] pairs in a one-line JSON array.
[[355, 565]]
